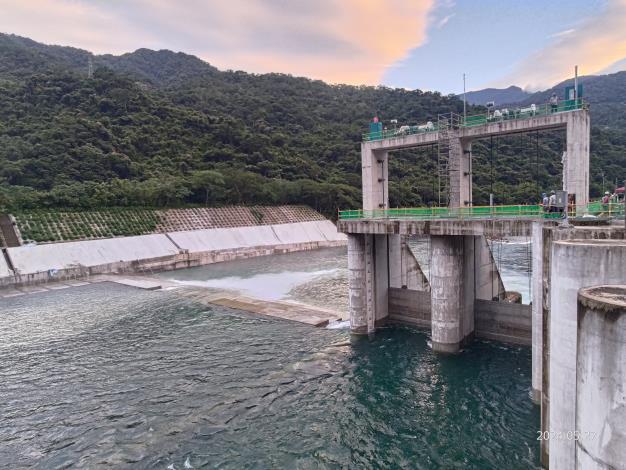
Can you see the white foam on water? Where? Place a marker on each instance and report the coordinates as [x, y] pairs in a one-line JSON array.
[[339, 325], [266, 286]]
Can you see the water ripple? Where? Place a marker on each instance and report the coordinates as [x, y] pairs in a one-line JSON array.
[[105, 375]]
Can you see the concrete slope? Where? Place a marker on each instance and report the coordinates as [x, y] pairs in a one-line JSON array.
[[39, 258], [4, 269], [198, 241]]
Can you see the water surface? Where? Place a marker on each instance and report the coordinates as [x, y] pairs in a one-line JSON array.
[[106, 375]]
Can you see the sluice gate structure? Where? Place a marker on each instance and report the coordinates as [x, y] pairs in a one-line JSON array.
[[464, 296]]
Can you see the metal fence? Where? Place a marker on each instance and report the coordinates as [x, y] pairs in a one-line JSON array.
[[596, 209], [498, 115]]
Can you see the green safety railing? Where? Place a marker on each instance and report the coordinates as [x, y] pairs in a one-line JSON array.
[[401, 131], [483, 212], [523, 113], [501, 115]]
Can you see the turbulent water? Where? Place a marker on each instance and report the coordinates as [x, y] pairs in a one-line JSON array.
[[105, 375]]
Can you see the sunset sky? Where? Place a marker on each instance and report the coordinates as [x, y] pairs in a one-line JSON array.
[[425, 44]]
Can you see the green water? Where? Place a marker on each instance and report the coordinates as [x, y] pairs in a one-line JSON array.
[[109, 376]]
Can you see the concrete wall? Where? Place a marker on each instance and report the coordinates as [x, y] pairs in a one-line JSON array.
[[575, 264], [502, 321], [499, 321], [40, 263], [32, 259], [374, 173], [6, 275], [409, 306]]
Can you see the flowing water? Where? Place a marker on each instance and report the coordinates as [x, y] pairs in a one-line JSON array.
[[105, 375]]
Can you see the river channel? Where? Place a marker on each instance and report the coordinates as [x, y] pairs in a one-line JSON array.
[[110, 376]]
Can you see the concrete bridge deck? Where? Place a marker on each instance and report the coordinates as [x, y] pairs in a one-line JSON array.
[[511, 227]]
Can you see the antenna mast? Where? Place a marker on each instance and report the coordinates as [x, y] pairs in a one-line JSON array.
[[89, 68]]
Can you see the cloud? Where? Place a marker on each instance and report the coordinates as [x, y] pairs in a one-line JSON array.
[[562, 33], [597, 44], [444, 21], [340, 41]]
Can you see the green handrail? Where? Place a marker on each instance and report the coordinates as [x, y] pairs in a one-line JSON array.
[[595, 209], [481, 119]]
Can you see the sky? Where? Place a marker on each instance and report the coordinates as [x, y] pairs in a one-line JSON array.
[[425, 44]]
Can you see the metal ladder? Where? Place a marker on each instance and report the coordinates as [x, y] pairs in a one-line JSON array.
[[447, 125]]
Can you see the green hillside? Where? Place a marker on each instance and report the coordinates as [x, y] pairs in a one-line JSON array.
[[158, 129]]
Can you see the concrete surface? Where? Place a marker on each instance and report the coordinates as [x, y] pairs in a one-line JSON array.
[[448, 307], [59, 261], [537, 310], [4, 269], [410, 306], [39, 258], [292, 311], [357, 284], [490, 228], [601, 379], [503, 321], [575, 264]]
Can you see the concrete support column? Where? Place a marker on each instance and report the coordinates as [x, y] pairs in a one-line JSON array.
[[381, 278], [368, 282], [465, 175], [575, 264], [537, 310], [357, 284], [576, 161], [460, 169], [375, 174], [452, 299], [396, 266]]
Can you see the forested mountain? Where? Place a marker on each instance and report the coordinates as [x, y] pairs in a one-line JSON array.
[[159, 128], [512, 94]]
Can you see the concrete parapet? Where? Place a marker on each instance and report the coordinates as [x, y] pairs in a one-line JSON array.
[[601, 379], [575, 264]]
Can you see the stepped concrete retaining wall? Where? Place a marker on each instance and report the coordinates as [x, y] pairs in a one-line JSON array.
[[158, 252]]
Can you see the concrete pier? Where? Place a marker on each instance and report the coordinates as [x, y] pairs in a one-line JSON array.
[[574, 264], [601, 378], [451, 314], [537, 310]]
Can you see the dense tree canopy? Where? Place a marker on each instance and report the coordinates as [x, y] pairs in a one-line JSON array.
[[164, 129]]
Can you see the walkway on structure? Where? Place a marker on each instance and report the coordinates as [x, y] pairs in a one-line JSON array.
[[592, 210], [479, 120]]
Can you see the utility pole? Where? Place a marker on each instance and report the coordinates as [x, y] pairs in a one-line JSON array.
[[575, 84]]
